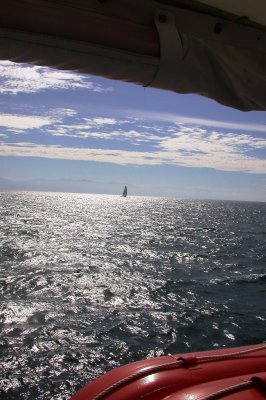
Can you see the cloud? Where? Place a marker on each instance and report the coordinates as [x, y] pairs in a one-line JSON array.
[[63, 112], [103, 128], [100, 121], [203, 141], [84, 132], [199, 151], [19, 123], [121, 157], [23, 78], [181, 119], [173, 144], [158, 135], [216, 150]]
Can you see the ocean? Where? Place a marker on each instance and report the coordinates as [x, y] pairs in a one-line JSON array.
[[91, 282]]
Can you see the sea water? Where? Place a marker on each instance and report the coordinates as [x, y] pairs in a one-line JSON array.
[[91, 282]]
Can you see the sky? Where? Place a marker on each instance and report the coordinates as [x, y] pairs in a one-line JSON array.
[[67, 132]]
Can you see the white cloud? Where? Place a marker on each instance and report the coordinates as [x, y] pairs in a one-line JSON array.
[[200, 140], [19, 123], [63, 112], [84, 131], [181, 119], [194, 151], [121, 157], [100, 121], [22, 78], [184, 145]]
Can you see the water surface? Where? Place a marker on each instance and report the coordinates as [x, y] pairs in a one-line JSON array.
[[90, 282]]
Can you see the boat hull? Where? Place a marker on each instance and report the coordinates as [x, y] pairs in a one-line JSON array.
[[235, 374]]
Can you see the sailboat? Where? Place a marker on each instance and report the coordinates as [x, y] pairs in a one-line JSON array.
[[124, 192]]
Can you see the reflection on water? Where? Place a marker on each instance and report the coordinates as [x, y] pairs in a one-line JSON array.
[[90, 282]]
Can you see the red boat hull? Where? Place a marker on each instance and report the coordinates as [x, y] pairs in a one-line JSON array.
[[235, 374]]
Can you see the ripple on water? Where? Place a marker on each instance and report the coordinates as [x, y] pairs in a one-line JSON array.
[[91, 282]]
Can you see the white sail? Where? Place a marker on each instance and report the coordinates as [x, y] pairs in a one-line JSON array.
[[124, 192]]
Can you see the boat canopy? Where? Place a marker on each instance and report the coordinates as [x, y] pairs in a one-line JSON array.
[[185, 46]]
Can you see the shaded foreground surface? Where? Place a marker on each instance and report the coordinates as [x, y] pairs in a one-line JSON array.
[[90, 282]]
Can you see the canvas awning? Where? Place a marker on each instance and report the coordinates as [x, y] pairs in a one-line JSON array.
[[184, 46]]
